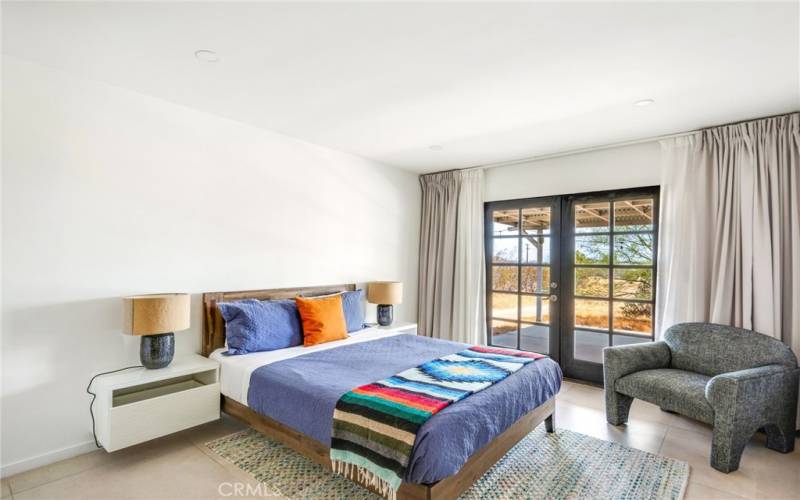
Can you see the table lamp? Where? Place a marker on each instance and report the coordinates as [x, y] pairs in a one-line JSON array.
[[385, 294], [155, 318]]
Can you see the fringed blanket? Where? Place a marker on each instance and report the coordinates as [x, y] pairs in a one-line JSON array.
[[375, 425]]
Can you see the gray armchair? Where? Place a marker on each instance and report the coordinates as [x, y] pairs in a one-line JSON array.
[[736, 380]]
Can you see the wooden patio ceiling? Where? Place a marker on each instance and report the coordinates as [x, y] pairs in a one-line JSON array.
[[628, 213]]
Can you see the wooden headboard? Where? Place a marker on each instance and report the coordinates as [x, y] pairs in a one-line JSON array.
[[214, 324]]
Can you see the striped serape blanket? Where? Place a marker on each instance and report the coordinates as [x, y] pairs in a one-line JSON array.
[[375, 425]]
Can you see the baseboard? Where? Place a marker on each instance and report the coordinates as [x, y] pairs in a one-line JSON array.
[[7, 470]]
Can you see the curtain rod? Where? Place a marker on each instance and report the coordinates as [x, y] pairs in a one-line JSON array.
[[601, 147], [577, 151]]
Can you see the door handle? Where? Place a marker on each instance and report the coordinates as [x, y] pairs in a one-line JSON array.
[[553, 284], [553, 298]]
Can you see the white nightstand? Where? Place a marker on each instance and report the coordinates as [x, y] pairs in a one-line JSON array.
[[140, 404], [400, 326]]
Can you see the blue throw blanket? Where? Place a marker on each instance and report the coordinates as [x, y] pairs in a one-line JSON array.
[[375, 425]]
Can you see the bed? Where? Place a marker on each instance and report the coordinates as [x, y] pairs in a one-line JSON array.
[[289, 395]]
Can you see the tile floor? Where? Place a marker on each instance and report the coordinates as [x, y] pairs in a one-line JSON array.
[[180, 467]]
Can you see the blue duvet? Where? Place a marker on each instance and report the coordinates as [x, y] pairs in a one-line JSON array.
[[302, 392]]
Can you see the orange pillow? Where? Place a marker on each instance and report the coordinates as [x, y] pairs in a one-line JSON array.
[[323, 319]]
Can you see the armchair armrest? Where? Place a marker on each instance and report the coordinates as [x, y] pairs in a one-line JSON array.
[[756, 386], [746, 400], [623, 360]]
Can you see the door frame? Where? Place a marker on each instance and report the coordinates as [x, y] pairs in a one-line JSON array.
[[562, 231], [576, 368], [555, 263]]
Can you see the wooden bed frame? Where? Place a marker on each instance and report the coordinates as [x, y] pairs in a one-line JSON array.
[[448, 488]]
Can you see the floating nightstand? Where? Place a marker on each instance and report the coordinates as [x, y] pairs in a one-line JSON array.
[[138, 405]]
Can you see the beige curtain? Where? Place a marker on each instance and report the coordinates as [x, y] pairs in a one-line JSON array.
[[451, 263], [684, 260], [756, 240], [729, 249]]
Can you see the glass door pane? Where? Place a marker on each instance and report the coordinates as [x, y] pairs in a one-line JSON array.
[[633, 268], [610, 250], [520, 241]]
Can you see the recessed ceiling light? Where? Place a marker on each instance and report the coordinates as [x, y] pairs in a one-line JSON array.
[[206, 56], [435, 147], [644, 102]]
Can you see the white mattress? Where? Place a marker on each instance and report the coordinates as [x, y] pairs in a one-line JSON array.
[[235, 371]]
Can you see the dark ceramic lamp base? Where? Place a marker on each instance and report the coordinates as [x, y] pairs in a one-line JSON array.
[[385, 315], [157, 351]]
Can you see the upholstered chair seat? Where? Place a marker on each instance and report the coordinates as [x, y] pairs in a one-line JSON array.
[[737, 380], [673, 390]]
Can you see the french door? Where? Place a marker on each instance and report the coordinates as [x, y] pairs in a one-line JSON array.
[[569, 275]]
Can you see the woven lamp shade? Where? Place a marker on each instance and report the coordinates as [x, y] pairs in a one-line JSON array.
[[385, 292], [155, 314]]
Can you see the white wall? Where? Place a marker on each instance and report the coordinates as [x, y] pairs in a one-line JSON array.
[[106, 192], [615, 168]]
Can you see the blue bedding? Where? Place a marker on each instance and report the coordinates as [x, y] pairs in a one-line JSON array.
[[302, 393]]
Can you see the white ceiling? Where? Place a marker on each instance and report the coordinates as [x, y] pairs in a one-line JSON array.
[[487, 81]]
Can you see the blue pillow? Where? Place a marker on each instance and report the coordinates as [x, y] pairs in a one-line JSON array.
[[254, 325], [353, 305]]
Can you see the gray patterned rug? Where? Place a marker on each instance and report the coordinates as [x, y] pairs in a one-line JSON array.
[[561, 465]]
